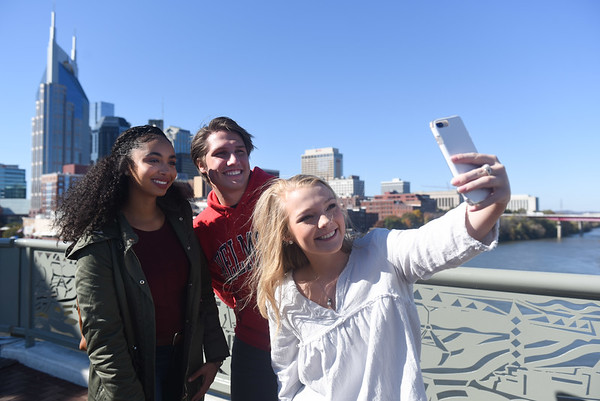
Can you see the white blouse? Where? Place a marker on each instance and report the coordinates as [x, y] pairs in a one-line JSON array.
[[369, 348]]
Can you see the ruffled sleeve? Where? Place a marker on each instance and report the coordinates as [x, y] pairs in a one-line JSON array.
[[284, 354], [441, 244]]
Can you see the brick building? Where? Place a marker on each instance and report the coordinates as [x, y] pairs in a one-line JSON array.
[[395, 204]]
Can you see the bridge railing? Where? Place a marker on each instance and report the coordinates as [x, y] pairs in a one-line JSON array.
[[487, 334], [491, 334]]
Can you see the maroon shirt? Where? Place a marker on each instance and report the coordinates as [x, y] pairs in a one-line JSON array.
[[166, 268]]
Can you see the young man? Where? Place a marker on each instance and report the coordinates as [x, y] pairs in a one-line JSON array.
[[221, 152]]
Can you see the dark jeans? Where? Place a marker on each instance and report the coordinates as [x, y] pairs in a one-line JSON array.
[[252, 377], [168, 369]]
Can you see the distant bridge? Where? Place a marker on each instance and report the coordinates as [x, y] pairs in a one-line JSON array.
[[580, 218]]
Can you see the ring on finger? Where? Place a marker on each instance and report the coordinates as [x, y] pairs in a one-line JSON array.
[[487, 169]]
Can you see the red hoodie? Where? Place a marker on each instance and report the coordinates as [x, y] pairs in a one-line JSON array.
[[226, 239]]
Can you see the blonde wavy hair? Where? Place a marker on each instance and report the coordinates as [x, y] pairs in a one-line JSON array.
[[274, 256]]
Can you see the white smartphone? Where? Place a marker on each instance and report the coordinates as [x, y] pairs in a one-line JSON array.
[[452, 137]]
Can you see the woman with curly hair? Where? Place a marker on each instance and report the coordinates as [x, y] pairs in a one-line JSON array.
[[148, 312]]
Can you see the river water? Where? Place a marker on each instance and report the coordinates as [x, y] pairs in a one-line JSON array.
[[574, 254]]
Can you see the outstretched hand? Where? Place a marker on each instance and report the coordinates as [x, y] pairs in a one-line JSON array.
[[207, 373], [494, 178], [482, 217]]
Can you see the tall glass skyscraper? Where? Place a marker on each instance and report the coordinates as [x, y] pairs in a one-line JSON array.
[[60, 129]]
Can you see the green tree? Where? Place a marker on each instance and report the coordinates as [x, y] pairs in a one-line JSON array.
[[13, 230], [394, 223], [413, 219]]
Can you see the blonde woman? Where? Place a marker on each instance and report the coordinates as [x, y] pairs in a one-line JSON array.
[[342, 318]]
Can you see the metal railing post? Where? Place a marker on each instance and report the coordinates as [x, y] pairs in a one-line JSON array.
[[27, 298]]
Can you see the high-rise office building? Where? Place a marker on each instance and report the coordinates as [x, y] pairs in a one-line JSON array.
[[104, 135], [60, 129], [12, 182], [102, 109], [182, 142], [348, 187], [326, 163]]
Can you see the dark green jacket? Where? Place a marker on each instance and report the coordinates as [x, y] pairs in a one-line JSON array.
[[118, 312]]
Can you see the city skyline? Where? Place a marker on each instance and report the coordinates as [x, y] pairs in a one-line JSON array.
[[365, 79]]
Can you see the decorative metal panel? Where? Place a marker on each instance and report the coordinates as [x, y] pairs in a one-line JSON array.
[[53, 291], [490, 345]]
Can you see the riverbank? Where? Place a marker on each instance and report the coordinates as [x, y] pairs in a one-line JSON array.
[[517, 228], [578, 253]]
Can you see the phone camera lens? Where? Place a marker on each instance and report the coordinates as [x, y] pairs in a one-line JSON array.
[[439, 124]]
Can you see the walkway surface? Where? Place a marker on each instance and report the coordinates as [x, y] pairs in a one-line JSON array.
[[44, 372], [20, 383]]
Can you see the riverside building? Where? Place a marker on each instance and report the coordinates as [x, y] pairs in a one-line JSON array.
[[397, 185]]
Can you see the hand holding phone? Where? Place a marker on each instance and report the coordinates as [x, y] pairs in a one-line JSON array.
[[453, 138]]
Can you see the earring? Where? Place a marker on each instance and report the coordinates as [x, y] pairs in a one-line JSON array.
[[290, 242]]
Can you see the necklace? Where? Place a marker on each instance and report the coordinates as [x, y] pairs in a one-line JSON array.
[[329, 299]]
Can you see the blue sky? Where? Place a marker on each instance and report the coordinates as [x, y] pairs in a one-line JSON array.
[[365, 77]]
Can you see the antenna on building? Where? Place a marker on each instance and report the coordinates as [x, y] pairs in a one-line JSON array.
[[73, 51], [52, 24], [51, 62], [74, 55]]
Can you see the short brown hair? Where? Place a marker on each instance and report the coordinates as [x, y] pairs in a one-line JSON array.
[[199, 146]]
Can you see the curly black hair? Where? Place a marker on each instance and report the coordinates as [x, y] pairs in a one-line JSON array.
[[98, 197]]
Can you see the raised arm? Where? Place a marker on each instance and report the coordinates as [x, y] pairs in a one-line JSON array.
[[482, 217]]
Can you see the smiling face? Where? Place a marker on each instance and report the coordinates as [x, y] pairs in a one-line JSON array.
[[226, 165], [153, 169], [315, 220]]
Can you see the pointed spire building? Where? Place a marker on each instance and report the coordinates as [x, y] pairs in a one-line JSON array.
[[60, 129]]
